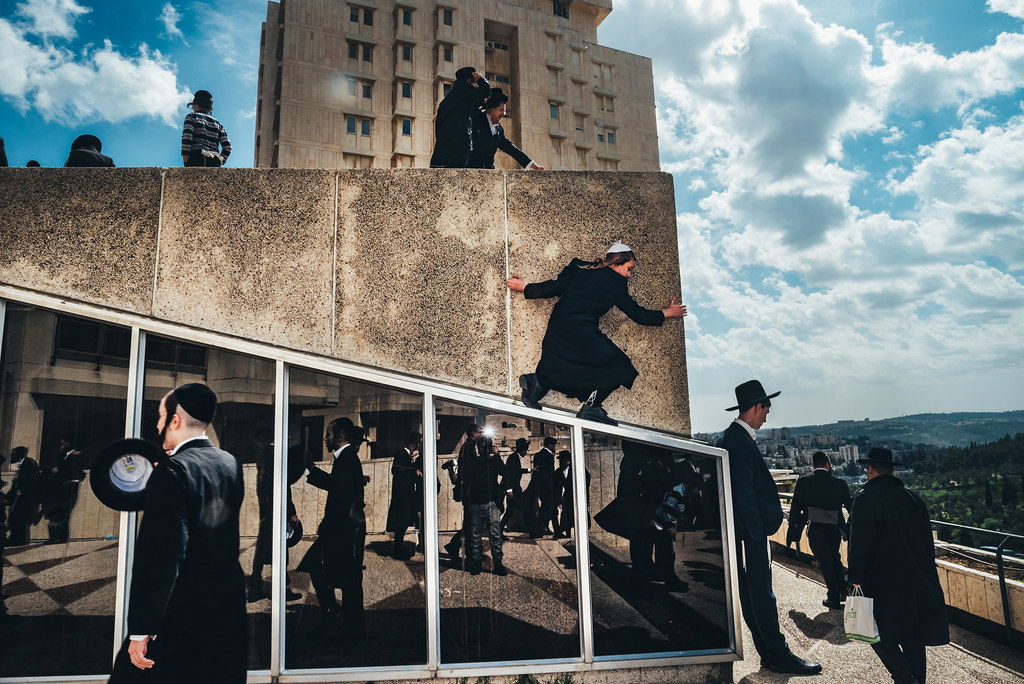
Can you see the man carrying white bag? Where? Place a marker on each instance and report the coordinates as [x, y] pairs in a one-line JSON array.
[[892, 563]]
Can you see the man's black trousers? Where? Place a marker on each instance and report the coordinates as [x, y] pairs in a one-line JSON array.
[[824, 543], [757, 599], [905, 661]]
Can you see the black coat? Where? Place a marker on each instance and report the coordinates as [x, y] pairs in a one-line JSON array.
[[187, 585], [820, 489], [513, 477], [486, 144], [338, 549], [87, 157], [563, 487], [479, 470], [406, 493], [453, 125], [892, 556], [542, 481], [755, 498], [24, 493], [576, 357]]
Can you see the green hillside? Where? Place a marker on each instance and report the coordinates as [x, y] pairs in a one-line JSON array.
[[940, 429]]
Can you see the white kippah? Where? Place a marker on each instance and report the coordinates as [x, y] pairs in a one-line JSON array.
[[618, 247]]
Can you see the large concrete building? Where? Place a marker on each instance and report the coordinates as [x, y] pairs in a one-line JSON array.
[[355, 84]]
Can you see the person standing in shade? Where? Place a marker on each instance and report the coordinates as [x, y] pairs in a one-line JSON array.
[[479, 470], [86, 151], [758, 515], [563, 491], [186, 611], [453, 124], [204, 142], [68, 475], [892, 559], [406, 481], [263, 550], [511, 484], [818, 500], [541, 489], [489, 136], [577, 359], [335, 560], [23, 496]]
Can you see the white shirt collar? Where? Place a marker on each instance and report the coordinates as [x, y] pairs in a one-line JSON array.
[[750, 431], [340, 449], [821, 469], [494, 127], [184, 442]]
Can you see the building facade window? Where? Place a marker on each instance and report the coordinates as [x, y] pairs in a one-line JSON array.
[[560, 8], [447, 17], [354, 14], [497, 78], [358, 50], [406, 17], [406, 126], [350, 124], [581, 122], [611, 137], [406, 52], [553, 110], [406, 89], [449, 53], [365, 127], [446, 88], [367, 53], [368, 17]]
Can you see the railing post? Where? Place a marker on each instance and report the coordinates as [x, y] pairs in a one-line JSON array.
[[1007, 619]]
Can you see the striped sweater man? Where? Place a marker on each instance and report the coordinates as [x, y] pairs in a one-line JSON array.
[[204, 142]]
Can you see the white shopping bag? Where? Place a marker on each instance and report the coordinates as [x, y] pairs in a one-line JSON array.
[[859, 618]]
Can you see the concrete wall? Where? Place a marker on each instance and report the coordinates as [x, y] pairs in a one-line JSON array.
[[400, 270]]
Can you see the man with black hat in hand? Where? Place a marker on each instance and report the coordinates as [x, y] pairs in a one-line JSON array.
[[818, 500], [186, 612], [489, 136], [758, 515], [204, 142], [892, 559], [453, 125]]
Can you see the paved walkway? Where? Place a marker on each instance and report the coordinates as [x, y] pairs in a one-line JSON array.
[[817, 633]]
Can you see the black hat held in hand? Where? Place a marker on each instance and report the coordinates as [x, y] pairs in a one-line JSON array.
[[880, 456], [121, 471], [749, 393], [465, 73]]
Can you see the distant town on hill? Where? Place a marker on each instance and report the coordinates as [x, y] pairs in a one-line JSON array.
[[939, 429]]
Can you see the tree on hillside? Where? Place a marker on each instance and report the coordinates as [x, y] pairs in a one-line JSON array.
[[988, 493], [1009, 493]]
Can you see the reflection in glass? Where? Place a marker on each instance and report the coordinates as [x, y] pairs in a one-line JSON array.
[[657, 568], [514, 598], [62, 398], [244, 427], [358, 491]]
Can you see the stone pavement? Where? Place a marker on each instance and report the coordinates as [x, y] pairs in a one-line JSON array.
[[817, 633]]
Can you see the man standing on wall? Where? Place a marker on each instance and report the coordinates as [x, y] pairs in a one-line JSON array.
[[453, 125], [186, 611], [818, 500], [892, 558], [204, 142], [758, 515]]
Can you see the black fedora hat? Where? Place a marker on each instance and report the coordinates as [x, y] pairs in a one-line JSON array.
[[203, 98], [522, 444], [879, 455], [121, 471], [464, 73], [749, 393]]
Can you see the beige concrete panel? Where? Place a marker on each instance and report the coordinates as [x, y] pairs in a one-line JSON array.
[[1015, 592], [249, 252], [994, 600], [957, 596], [555, 217], [977, 595], [421, 262], [87, 234]]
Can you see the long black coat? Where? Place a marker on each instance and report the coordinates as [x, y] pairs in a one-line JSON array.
[[755, 498], [542, 481], [405, 501], [187, 585], [453, 125], [24, 493], [486, 144], [479, 470], [576, 357], [892, 556], [338, 549], [821, 489]]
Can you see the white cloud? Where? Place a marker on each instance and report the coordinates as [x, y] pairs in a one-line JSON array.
[[96, 84], [51, 18], [1015, 8], [228, 34], [170, 17]]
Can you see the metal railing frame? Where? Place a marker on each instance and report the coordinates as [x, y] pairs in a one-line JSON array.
[[431, 391]]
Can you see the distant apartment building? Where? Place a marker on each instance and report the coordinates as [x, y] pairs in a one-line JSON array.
[[355, 84], [849, 454]]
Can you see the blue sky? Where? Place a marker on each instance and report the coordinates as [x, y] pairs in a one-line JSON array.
[[848, 186]]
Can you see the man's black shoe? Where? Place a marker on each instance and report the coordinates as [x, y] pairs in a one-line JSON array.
[[500, 570], [452, 549], [832, 605], [596, 414], [532, 391], [792, 664], [474, 568]]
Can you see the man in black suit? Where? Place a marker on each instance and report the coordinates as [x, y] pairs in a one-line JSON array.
[[489, 136], [758, 515], [512, 485], [453, 125], [186, 610], [563, 490], [335, 560], [892, 558], [68, 478], [479, 470], [818, 500], [406, 495], [85, 151], [23, 496], [542, 489]]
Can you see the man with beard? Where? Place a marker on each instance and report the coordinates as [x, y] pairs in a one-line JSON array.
[[186, 611], [335, 560]]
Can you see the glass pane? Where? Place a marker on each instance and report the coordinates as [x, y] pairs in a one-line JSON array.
[[657, 569], [244, 427], [359, 565], [532, 612], [59, 568]]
